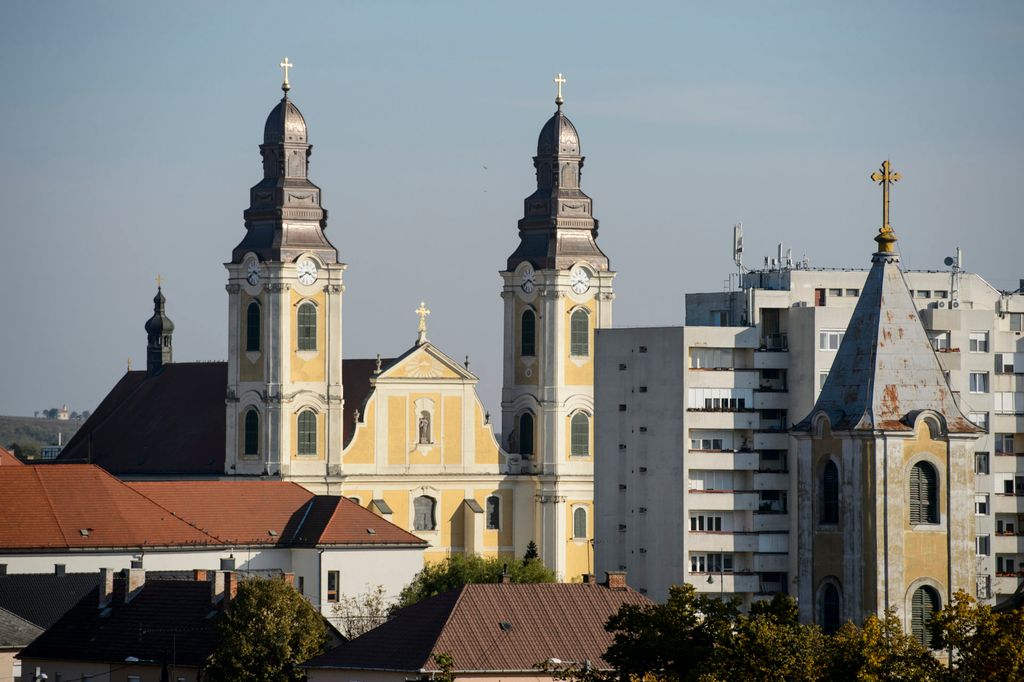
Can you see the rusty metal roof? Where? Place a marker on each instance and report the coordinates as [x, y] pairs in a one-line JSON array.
[[885, 371]]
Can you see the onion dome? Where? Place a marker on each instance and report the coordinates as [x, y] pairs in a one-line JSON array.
[[159, 323], [158, 335]]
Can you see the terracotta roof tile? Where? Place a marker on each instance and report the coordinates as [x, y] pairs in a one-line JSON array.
[[8, 458], [493, 627], [340, 521]]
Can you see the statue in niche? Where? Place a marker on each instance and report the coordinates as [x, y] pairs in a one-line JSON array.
[[425, 428]]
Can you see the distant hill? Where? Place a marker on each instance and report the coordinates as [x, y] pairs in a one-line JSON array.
[[32, 431]]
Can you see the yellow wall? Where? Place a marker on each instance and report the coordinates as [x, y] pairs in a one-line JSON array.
[[361, 448], [579, 373], [314, 368], [485, 445], [925, 551], [452, 416], [578, 553], [398, 437], [251, 370], [531, 364]]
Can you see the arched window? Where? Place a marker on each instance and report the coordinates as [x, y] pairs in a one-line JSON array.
[[923, 605], [830, 609], [924, 494], [579, 523], [528, 335], [526, 433], [307, 432], [579, 334], [493, 512], [830, 494], [423, 513], [307, 326], [252, 327], [252, 433], [424, 428], [579, 436]]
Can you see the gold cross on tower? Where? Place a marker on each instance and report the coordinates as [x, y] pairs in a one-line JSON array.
[[885, 176], [559, 81], [159, 280], [286, 65], [422, 311]]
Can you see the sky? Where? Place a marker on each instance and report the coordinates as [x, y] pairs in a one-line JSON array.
[[129, 138]]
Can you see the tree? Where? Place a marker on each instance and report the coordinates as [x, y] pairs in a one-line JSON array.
[[531, 552], [461, 569], [984, 645], [267, 631], [361, 613], [24, 451], [880, 652]]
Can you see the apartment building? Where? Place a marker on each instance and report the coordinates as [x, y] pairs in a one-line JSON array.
[[694, 479]]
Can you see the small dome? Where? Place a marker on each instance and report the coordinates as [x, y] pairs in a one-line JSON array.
[[285, 124], [558, 136], [159, 323]]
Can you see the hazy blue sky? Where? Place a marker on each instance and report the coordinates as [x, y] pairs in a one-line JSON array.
[[129, 133]]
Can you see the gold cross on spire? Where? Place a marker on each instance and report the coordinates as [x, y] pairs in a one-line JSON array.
[[885, 176], [559, 81], [422, 311], [159, 280], [286, 65]]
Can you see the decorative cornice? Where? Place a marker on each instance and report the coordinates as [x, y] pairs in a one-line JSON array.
[[278, 287], [232, 288]]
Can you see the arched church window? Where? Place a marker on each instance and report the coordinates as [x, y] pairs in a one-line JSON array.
[[307, 432], [252, 433], [526, 433], [568, 176], [830, 494], [423, 513], [528, 334], [830, 609], [424, 428], [579, 333], [493, 512], [252, 327], [307, 326], [579, 435], [923, 606], [579, 523], [924, 494]]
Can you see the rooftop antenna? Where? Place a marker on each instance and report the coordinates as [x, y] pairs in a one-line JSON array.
[[957, 265]]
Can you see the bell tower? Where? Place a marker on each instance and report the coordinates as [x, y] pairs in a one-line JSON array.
[[159, 329], [284, 394], [557, 289]]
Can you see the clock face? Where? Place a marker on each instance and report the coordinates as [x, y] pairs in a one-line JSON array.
[[252, 272], [579, 280], [307, 272], [528, 279]]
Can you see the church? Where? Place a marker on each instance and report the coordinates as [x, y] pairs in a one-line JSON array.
[[406, 437]]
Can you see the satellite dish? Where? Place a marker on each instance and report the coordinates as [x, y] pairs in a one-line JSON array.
[[949, 260]]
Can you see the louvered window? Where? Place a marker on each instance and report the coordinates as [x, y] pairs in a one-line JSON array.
[[526, 434], [579, 334], [307, 326], [924, 494], [830, 494], [528, 340], [252, 327], [924, 604]]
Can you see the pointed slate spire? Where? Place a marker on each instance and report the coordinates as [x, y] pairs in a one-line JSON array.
[[159, 329]]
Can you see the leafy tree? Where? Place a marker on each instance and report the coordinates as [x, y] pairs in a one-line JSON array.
[[531, 552], [461, 569], [24, 450], [984, 645], [267, 631], [361, 613], [880, 651]]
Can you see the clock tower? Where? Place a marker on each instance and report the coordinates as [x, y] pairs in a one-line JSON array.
[[284, 395], [557, 289]]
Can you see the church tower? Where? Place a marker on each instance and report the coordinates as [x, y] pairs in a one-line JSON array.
[[159, 329], [557, 291], [885, 464], [284, 393]]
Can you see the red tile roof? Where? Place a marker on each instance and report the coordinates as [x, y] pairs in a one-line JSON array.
[[8, 458], [79, 506], [492, 628], [272, 512]]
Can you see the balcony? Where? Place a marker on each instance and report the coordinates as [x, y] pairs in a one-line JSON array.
[[771, 481], [1005, 585], [1008, 543], [1008, 504], [722, 459], [704, 541], [725, 582], [721, 419], [771, 563], [723, 378], [771, 441], [949, 358], [770, 400], [771, 522], [723, 500]]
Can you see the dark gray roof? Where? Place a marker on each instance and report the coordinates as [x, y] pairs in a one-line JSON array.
[[42, 598], [16, 632]]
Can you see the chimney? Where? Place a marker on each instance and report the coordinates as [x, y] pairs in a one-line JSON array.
[[589, 579], [228, 564], [230, 586], [134, 580], [217, 587], [200, 575], [615, 580], [59, 569], [106, 587], [289, 578]]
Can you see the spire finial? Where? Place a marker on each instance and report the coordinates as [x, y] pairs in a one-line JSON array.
[[885, 176], [422, 311], [286, 65], [159, 281], [559, 81]]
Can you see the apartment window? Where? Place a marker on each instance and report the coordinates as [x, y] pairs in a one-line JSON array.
[[979, 382], [772, 501], [979, 418], [941, 293], [981, 505], [719, 318], [822, 378], [713, 479], [1016, 322], [423, 513], [939, 340], [1004, 443], [924, 494], [307, 432], [835, 292], [1005, 362], [830, 339], [1009, 402], [711, 563], [981, 462], [579, 435], [711, 358], [705, 443], [981, 545], [1005, 565], [493, 512], [306, 318], [979, 342], [923, 605], [333, 580], [1004, 526], [853, 292], [579, 334], [702, 523], [923, 293], [1008, 486], [830, 494]]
